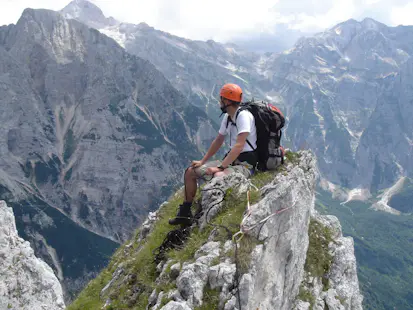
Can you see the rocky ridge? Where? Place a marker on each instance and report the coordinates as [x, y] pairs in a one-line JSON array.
[[294, 259]]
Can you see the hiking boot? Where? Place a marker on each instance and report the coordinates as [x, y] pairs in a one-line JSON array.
[[184, 215]]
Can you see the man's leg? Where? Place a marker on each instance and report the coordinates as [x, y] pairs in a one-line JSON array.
[[184, 215], [191, 185]]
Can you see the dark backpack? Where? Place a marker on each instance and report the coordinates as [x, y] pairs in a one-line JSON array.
[[268, 120]]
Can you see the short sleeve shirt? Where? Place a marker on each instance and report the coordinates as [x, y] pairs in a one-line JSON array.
[[244, 123]]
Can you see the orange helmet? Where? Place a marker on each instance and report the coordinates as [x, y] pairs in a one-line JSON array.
[[232, 92]]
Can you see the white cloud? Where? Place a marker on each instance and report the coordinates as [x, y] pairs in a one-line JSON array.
[[212, 19], [225, 20], [402, 15]]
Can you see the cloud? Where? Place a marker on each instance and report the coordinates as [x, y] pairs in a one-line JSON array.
[[402, 15], [11, 10], [295, 7], [317, 15], [212, 19], [233, 19]]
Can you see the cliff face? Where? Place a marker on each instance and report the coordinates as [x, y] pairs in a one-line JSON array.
[[26, 282], [92, 137], [287, 256]]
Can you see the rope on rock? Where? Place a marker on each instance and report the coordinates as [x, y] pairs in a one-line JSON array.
[[174, 239]]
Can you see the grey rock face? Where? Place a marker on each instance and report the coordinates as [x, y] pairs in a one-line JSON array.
[[273, 281], [343, 275], [26, 282], [175, 305], [86, 11], [114, 118], [196, 68], [93, 132], [191, 282], [390, 125], [302, 305], [334, 84], [193, 277], [148, 224], [214, 191]]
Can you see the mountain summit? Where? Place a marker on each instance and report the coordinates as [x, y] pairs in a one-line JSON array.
[[88, 13]]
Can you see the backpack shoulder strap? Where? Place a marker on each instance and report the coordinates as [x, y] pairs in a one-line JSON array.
[[228, 120], [236, 116]]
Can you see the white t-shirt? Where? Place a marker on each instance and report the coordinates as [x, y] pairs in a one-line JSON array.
[[244, 123]]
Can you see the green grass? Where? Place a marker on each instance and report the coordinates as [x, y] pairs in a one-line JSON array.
[[319, 259], [89, 297], [141, 263], [306, 295], [210, 299], [245, 248], [292, 156]]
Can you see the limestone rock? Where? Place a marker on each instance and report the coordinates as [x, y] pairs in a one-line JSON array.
[[26, 282]]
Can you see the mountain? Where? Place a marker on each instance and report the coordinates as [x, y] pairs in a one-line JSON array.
[[279, 39], [93, 138], [287, 257], [87, 12], [337, 88], [26, 282], [345, 103], [196, 68]]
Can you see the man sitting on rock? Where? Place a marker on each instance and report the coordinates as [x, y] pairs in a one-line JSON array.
[[241, 158]]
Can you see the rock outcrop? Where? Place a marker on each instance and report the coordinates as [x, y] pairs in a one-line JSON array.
[[26, 282], [287, 256]]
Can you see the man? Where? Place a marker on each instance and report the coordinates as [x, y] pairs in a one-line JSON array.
[[241, 157]]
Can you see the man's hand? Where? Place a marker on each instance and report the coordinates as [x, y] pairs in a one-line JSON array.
[[197, 163], [212, 170]]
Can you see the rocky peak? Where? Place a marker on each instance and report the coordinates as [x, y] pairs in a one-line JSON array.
[[286, 257], [88, 13], [370, 23], [26, 282]]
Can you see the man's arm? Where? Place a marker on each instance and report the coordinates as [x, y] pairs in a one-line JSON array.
[[236, 150], [215, 145]]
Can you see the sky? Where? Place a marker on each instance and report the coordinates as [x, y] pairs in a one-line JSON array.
[[234, 20]]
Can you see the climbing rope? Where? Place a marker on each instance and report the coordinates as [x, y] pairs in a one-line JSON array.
[[174, 239]]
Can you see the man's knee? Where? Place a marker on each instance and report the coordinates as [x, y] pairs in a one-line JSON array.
[[190, 173], [221, 173]]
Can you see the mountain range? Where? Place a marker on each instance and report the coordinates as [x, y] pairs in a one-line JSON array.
[[346, 92], [101, 117]]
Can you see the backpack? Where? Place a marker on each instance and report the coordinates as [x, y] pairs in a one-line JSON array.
[[268, 120]]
